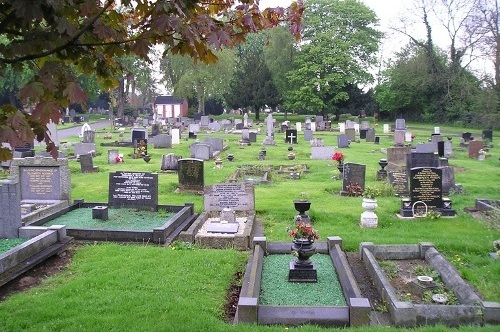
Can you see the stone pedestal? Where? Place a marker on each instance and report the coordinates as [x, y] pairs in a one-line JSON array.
[[100, 212]]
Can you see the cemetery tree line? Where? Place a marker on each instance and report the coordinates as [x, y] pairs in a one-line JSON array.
[[56, 40]]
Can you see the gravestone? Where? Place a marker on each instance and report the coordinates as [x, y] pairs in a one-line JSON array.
[[440, 148], [113, 156], [426, 186], [362, 133], [216, 143], [88, 136], [291, 136], [87, 164], [466, 136], [364, 125], [408, 137], [474, 147], [387, 128], [370, 135], [252, 136], [176, 136], [194, 128], [308, 135], [351, 134], [426, 148], [269, 140], [399, 137], [162, 141], [396, 158], [191, 175], [201, 151], [298, 126], [170, 162], [342, 141], [52, 132], [322, 152], [437, 130], [138, 134], [400, 124], [155, 129], [488, 135], [448, 149], [10, 218], [435, 138], [235, 196], [204, 120], [133, 190], [376, 140], [245, 137], [448, 178], [353, 174], [416, 159], [308, 123], [239, 125], [342, 128], [399, 181], [84, 148], [42, 178]]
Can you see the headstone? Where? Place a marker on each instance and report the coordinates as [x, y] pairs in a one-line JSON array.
[[353, 174], [52, 132], [138, 134], [194, 128], [162, 141], [42, 178], [88, 136], [322, 152], [399, 137], [313, 126], [252, 136], [396, 158], [426, 148], [245, 136], [342, 141], [191, 175], [435, 138], [145, 122], [216, 143], [87, 164], [474, 147], [408, 137], [245, 120], [400, 124], [342, 128], [298, 126], [376, 140], [351, 134], [440, 148], [399, 181], [201, 151], [236, 196], [387, 128], [356, 127], [362, 133], [415, 159], [308, 135], [10, 218], [133, 190], [466, 136], [204, 120], [176, 136], [426, 186], [84, 148], [291, 136], [155, 129], [317, 142], [488, 135], [239, 126], [448, 149], [448, 178], [370, 135], [308, 123], [170, 162], [364, 125], [269, 140]]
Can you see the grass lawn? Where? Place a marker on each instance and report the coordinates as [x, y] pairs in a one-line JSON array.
[[111, 287]]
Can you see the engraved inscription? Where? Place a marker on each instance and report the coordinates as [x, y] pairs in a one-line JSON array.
[[40, 182], [426, 186]]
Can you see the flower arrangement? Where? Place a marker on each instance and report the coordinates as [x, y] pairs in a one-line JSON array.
[[338, 157], [354, 189], [303, 231], [371, 192], [119, 158]]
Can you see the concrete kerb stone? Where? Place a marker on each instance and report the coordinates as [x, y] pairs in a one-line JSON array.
[[491, 312]]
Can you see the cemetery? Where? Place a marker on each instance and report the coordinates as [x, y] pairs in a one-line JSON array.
[[211, 207]]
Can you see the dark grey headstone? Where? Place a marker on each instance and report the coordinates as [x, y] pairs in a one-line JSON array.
[[351, 134], [362, 133], [466, 136], [291, 136], [376, 140], [399, 181], [353, 174], [416, 159], [216, 143], [10, 217], [170, 162], [488, 135], [87, 163], [370, 135], [448, 178], [133, 189], [342, 141], [440, 148], [191, 174], [162, 141], [252, 136]]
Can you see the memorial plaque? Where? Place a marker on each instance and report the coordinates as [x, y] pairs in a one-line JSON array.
[[353, 174], [40, 183], [133, 189], [399, 181], [236, 196], [426, 186], [191, 174]]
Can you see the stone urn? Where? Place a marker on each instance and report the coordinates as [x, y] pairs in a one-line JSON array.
[[340, 167], [291, 156], [304, 248], [146, 158], [230, 157], [368, 218]]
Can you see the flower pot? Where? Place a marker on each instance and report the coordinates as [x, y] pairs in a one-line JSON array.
[[230, 157], [146, 158], [340, 167], [304, 248], [368, 218], [291, 156]]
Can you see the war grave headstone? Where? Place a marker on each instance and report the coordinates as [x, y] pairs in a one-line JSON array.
[[191, 175], [10, 218], [133, 190], [342, 141], [353, 175], [313, 126], [387, 128], [169, 162], [162, 141], [437, 130], [351, 134], [201, 151], [408, 137], [87, 163], [370, 135], [426, 194], [176, 136], [298, 126], [44, 182], [341, 127], [474, 147], [488, 135], [291, 136]]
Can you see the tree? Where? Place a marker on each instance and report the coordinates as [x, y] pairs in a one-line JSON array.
[[338, 49], [91, 35]]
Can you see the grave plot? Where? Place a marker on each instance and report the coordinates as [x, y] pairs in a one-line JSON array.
[[339, 303], [131, 214], [292, 171], [421, 287], [228, 219], [255, 174]]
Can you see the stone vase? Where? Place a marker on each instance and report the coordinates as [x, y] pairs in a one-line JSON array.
[[340, 167], [368, 218], [304, 248]]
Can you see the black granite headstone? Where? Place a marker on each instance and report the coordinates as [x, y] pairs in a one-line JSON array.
[[191, 174], [362, 133], [421, 159], [133, 189], [426, 186], [399, 181], [291, 136], [488, 135], [353, 174], [440, 145]]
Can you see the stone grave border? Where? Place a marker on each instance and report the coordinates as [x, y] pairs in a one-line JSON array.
[[43, 243], [471, 310], [165, 234], [356, 313]]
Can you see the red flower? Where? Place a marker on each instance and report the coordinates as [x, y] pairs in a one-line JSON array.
[[338, 157]]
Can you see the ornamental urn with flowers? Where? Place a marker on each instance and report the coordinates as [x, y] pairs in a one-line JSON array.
[[303, 236], [339, 158]]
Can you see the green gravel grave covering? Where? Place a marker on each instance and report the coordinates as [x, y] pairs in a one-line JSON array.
[[118, 219], [6, 244], [276, 290]]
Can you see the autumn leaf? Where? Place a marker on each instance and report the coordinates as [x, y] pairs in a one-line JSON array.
[[74, 93], [32, 92]]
